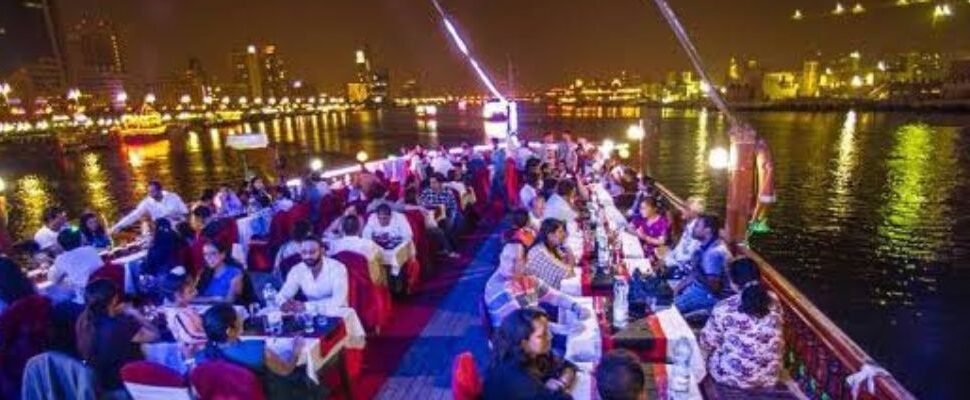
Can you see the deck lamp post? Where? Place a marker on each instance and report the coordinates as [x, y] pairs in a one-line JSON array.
[[636, 133]]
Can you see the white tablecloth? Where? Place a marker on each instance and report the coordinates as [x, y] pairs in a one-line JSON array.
[[398, 256], [310, 356], [631, 246], [587, 345]]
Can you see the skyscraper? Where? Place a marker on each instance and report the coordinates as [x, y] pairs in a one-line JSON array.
[[97, 61], [32, 42], [371, 84], [810, 79], [259, 72]]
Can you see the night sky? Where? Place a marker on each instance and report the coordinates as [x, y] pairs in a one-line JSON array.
[[549, 41]]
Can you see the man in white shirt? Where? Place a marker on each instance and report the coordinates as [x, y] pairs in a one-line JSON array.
[[560, 204], [441, 164], [322, 280], [158, 204], [522, 155], [55, 220], [72, 268], [387, 223], [353, 242], [680, 256], [530, 190]]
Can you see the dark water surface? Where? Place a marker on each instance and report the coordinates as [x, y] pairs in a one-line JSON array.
[[871, 223]]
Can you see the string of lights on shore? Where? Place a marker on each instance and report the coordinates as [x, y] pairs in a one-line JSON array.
[[938, 10]]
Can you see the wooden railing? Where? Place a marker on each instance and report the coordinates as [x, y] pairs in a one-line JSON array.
[[818, 354]]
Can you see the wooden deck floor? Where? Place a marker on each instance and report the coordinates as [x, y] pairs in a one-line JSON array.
[[425, 370]]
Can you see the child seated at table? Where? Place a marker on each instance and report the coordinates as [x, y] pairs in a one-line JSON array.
[[182, 320], [280, 376]]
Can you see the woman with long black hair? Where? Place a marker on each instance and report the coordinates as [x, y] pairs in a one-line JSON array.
[[743, 337], [548, 259], [280, 377], [522, 366], [109, 333]]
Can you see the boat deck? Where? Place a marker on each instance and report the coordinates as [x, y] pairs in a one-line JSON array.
[[411, 358]]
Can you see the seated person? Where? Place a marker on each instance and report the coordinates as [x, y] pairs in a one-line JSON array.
[[109, 334], [93, 233], [522, 366], [743, 337], [301, 230], [619, 376], [167, 250], [72, 268], [437, 196], [55, 220], [280, 376], [228, 203], [14, 284], [322, 280], [351, 241], [211, 227], [537, 208], [679, 257], [222, 280], [386, 224], [531, 189], [511, 288], [703, 287], [433, 231], [561, 204], [650, 226], [548, 260], [185, 323], [521, 230]]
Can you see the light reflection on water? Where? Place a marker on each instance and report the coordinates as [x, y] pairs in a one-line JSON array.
[[867, 223]]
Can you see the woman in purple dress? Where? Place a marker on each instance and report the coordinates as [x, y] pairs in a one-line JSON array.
[[651, 226]]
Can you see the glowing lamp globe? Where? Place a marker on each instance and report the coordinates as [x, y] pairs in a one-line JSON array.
[[635, 132], [316, 164], [362, 156], [3, 185], [719, 158], [624, 153]]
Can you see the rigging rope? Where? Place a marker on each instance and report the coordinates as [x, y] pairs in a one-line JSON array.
[[464, 49], [696, 61]]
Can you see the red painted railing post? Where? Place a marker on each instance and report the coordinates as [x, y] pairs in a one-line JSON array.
[[741, 185]]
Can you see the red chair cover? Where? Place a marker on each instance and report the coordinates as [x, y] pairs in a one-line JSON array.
[[259, 258], [342, 193], [372, 302], [466, 384], [113, 272], [480, 185], [196, 257], [277, 230], [220, 380], [152, 374], [331, 208], [421, 243], [228, 233], [511, 182], [25, 331]]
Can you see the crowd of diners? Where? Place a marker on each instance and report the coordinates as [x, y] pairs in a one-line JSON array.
[[191, 261]]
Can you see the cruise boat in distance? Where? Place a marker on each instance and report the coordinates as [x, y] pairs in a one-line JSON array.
[[497, 110], [144, 126]]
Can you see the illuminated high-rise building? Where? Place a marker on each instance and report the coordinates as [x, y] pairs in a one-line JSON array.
[[32, 45], [96, 59], [810, 79], [371, 84], [259, 71]]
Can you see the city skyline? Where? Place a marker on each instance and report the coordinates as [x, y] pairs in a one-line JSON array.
[[320, 39]]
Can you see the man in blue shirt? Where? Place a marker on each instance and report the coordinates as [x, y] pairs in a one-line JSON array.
[[703, 287]]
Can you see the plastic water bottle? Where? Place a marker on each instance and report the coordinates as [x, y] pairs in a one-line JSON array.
[[621, 306], [680, 374], [269, 295]]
